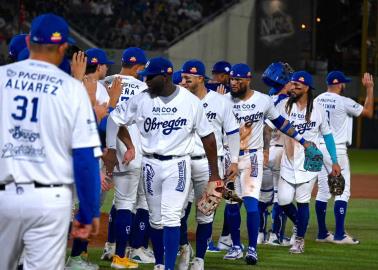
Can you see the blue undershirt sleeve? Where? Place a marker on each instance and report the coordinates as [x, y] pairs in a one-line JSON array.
[[88, 184], [331, 147]]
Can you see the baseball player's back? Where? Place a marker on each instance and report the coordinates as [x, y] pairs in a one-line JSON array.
[[47, 124], [340, 111]]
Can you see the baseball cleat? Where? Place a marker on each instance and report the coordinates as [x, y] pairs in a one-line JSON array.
[[108, 252], [142, 255], [261, 238], [197, 264], [225, 242], [285, 242], [123, 263], [327, 239], [234, 253], [212, 248], [184, 257], [78, 263], [347, 240], [298, 246], [273, 240], [251, 256], [293, 236]]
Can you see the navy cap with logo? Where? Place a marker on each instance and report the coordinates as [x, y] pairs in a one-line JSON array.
[[303, 77], [157, 66], [336, 77], [240, 71], [221, 67], [176, 77], [134, 55], [50, 29], [97, 56], [16, 45], [194, 67]]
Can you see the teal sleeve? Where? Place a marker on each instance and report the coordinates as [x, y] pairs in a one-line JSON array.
[[331, 147]]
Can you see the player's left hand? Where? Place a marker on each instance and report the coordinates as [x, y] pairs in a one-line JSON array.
[[368, 81], [78, 65], [232, 171], [128, 156], [115, 90], [221, 89], [110, 161], [336, 170], [106, 182]]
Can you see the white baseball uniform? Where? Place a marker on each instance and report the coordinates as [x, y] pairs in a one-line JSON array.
[[295, 181], [219, 112], [250, 115], [45, 114], [167, 126], [102, 96], [271, 173], [128, 185], [340, 111]]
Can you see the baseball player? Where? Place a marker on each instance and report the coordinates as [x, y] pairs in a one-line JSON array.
[[277, 76], [295, 181], [340, 111], [129, 193], [220, 82], [49, 138], [167, 117], [96, 69], [251, 108], [218, 110]]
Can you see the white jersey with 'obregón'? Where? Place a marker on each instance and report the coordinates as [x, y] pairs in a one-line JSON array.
[[167, 124], [340, 111], [250, 115], [292, 169], [219, 112], [45, 113]]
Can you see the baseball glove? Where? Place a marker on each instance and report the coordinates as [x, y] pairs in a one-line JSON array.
[[336, 184], [211, 197], [229, 192], [313, 159]]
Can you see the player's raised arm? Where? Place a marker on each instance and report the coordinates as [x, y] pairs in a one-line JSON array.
[[368, 83]]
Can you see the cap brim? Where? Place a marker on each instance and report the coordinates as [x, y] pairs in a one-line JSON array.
[[144, 73]]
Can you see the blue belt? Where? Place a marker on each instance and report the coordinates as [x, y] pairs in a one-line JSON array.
[[36, 185], [160, 157], [247, 151], [198, 157]]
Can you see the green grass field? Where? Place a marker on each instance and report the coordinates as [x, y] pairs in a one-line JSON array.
[[362, 222]]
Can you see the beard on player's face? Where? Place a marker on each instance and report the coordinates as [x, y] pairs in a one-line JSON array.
[[240, 91]]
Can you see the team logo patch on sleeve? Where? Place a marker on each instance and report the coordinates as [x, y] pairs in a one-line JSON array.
[[182, 176]]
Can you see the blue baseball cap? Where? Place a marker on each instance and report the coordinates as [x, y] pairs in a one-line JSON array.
[[16, 45], [240, 71], [303, 77], [336, 77], [176, 77], [22, 55], [277, 74], [194, 67], [50, 29], [157, 66], [134, 55], [221, 67], [97, 56]]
